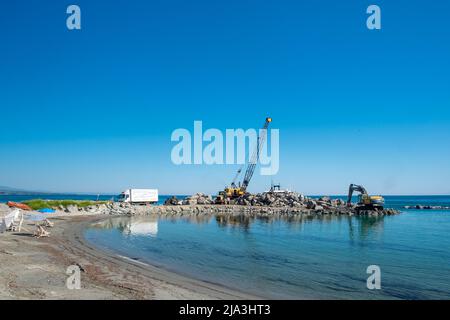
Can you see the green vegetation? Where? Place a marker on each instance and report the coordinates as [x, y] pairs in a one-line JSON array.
[[37, 204]]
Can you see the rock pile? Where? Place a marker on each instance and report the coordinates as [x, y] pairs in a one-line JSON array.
[[172, 201], [287, 199], [420, 207], [198, 198]]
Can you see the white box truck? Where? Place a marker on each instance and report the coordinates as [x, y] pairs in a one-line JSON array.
[[139, 196]]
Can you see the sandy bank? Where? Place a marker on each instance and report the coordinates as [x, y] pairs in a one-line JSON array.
[[36, 269]]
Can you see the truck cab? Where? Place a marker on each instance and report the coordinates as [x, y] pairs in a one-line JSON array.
[[124, 196]]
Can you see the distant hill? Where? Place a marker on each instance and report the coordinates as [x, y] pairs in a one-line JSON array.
[[9, 190]]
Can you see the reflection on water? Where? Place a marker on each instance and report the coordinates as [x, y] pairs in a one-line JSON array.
[[362, 226], [134, 226], [366, 226], [241, 222], [293, 256]]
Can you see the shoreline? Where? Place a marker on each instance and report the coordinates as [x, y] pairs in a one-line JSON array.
[[36, 269]]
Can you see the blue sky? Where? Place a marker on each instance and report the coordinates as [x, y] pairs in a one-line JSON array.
[[93, 110]]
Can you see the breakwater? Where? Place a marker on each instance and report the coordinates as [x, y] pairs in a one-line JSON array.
[[115, 208]]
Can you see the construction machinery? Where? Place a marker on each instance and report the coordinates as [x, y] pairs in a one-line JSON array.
[[365, 202], [237, 190]]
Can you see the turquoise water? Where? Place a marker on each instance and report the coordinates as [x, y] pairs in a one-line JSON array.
[[310, 258]]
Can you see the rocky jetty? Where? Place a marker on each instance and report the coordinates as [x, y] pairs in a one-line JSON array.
[[232, 210], [264, 205], [287, 200]]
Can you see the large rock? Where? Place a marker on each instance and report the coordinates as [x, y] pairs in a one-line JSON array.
[[172, 201], [311, 204], [198, 198], [338, 202], [190, 202], [71, 208], [325, 199]]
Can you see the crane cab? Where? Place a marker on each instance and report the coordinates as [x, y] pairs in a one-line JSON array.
[[234, 192]]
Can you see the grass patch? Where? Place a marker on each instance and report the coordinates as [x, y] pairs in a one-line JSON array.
[[37, 204]]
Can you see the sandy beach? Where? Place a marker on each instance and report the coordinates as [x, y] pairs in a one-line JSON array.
[[34, 268]]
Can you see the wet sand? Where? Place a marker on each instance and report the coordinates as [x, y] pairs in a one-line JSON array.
[[32, 268]]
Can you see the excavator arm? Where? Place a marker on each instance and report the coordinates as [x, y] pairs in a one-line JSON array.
[[365, 201], [353, 188]]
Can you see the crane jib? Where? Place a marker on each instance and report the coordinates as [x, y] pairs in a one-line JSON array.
[[255, 157]]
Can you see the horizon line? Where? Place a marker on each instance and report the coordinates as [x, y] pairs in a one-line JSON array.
[[29, 193]]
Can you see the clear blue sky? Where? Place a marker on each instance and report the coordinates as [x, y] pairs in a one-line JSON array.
[[93, 110]]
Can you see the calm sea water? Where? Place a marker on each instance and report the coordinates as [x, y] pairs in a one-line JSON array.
[[310, 258]]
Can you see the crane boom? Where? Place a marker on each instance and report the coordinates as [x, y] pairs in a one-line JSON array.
[[255, 157], [353, 188], [235, 191], [233, 183]]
